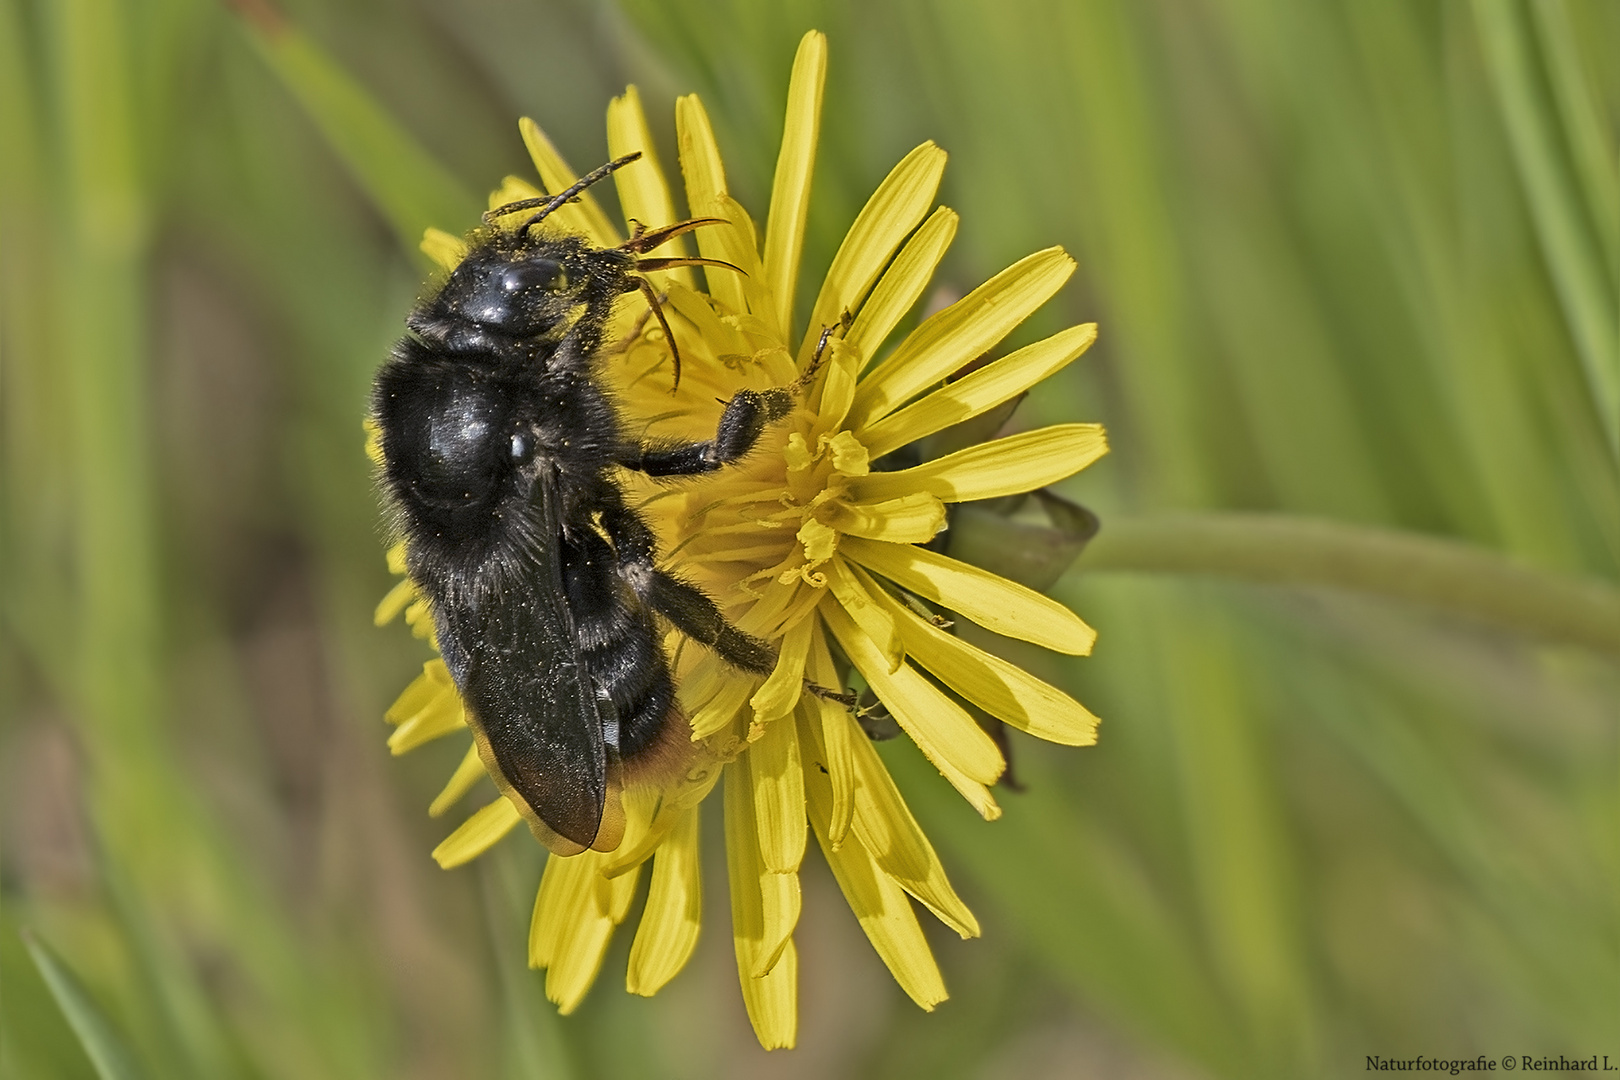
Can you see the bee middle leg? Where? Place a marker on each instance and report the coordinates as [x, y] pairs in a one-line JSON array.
[[682, 603], [696, 616]]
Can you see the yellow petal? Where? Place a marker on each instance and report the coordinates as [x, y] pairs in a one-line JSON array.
[[444, 249], [570, 975], [873, 618], [468, 773], [673, 799], [886, 828], [848, 455], [797, 453], [1018, 463], [438, 711], [780, 899], [477, 834], [720, 337], [395, 602], [833, 736], [575, 912], [776, 698], [983, 390], [780, 606], [674, 913], [373, 448], [737, 242], [836, 388], [942, 730], [568, 893], [883, 911], [621, 890], [960, 333], [419, 617], [1001, 689], [445, 717], [820, 542], [883, 824], [772, 1002], [910, 519], [720, 711], [902, 283], [790, 191], [764, 905], [993, 602], [583, 933], [396, 555], [778, 783], [642, 191], [584, 215], [888, 217], [421, 693], [705, 183], [642, 807]]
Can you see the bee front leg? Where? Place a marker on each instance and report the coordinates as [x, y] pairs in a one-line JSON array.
[[741, 424]]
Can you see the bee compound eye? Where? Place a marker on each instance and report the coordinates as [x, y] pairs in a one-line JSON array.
[[522, 446], [546, 275]]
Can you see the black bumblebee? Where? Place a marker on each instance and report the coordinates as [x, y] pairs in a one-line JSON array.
[[499, 446]]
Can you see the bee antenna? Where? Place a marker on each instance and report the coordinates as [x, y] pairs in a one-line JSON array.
[[563, 198]]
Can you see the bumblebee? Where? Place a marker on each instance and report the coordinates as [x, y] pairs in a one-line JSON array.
[[500, 445]]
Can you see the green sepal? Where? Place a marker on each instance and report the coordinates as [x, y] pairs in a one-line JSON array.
[[1031, 539]]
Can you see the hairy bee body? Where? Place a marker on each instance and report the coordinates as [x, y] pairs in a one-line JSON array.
[[500, 448]]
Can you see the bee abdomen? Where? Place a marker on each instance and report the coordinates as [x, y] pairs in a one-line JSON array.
[[632, 674], [618, 643]]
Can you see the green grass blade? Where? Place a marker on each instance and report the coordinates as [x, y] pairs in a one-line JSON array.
[[1429, 146], [412, 190], [1565, 231], [35, 1038], [1234, 818], [101, 1040], [537, 1042], [36, 483], [1591, 145], [1527, 908]]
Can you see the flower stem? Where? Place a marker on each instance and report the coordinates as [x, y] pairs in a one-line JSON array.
[[1455, 577]]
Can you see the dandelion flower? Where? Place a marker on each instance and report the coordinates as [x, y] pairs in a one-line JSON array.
[[807, 545]]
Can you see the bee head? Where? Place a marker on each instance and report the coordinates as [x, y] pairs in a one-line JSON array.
[[529, 290], [524, 284]]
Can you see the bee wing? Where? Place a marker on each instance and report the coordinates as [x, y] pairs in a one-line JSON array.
[[533, 710]]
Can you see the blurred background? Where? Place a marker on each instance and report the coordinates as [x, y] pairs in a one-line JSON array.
[[1355, 262]]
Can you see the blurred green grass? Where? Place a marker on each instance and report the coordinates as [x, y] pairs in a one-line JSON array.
[[1354, 260]]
